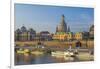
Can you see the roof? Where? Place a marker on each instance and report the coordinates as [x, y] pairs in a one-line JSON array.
[[44, 32]]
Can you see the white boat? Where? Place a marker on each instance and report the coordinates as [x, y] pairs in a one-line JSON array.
[[60, 53], [37, 52], [57, 53], [69, 54]]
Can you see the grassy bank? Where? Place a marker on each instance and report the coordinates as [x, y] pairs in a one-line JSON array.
[[89, 43]]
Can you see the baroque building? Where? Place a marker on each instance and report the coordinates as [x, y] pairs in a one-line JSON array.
[[18, 35], [45, 36], [78, 36], [62, 27], [60, 36], [91, 32], [23, 34], [62, 31], [31, 34]]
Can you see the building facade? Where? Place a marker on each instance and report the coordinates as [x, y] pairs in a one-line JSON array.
[[62, 33], [60, 36], [78, 36], [18, 35], [91, 32], [45, 36], [69, 36], [23, 34]]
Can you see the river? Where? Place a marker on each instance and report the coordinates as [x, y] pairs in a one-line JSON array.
[[27, 59]]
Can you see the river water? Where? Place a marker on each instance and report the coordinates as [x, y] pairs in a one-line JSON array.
[[28, 59]]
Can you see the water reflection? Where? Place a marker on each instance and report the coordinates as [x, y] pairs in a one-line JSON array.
[[24, 59], [27, 58]]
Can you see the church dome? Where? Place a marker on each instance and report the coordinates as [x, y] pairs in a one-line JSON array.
[[62, 27], [31, 30], [18, 31], [23, 29]]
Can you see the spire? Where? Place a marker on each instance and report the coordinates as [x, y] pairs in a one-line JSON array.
[[57, 29], [63, 19], [63, 16], [68, 30]]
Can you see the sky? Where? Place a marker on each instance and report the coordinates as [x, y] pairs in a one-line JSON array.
[[46, 17]]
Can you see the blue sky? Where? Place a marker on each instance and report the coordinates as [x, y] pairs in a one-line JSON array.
[[46, 18]]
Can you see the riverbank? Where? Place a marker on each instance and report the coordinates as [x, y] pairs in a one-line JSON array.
[[85, 44]]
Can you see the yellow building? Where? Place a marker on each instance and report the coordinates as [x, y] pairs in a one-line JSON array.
[[60, 36], [78, 36], [63, 36], [69, 36]]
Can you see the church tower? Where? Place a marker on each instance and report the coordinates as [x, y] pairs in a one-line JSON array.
[[62, 27], [68, 30]]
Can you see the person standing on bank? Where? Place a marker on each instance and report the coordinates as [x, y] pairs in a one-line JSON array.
[[70, 47], [78, 45]]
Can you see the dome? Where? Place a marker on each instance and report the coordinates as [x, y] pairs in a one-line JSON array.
[[18, 31], [31, 30], [62, 27], [23, 29]]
